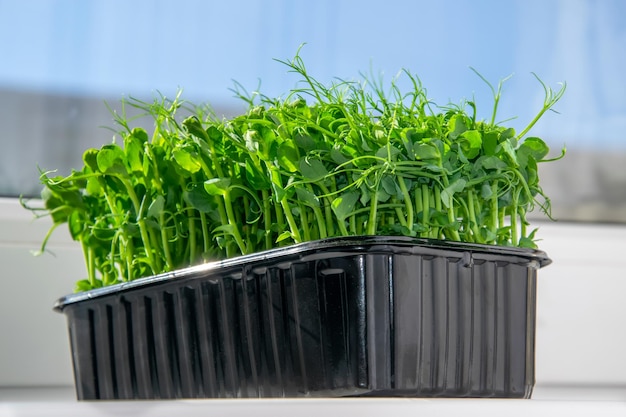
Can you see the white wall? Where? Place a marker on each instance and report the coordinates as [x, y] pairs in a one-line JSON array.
[[581, 329], [34, 348], [581, 336]]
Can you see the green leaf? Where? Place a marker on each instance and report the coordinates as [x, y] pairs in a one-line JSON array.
[[337, 156], [187, 160], [426, 151], [288, 157], [140, 135], [90, 158], [487, 234], [382, 195], [76, 225], [491, 162], [214, 134], [134, 148], [256, 179], [110, 160], [448, 192], [225, 229], [485, 191], [409, 136], [156, 207], [507, 134], [344, 205], [307, 197], [278, 191], [420, 228], [102, 232], [199, 199], [267, 134], [471, 143], [490, 142], [434, 168], [527, 243], [194, 127], [456, 126], [284, 235], [312, 169], [510, 152], [305, 142], [391, 187], [534, 147], [93, 187], [440, 218], [217, 186], [388, 152], [365, 196], [86, 285], [532, 176]]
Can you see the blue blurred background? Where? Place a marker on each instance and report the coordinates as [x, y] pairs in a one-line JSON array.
[[61, 59]]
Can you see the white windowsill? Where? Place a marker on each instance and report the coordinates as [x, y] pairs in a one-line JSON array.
[[546, 401]]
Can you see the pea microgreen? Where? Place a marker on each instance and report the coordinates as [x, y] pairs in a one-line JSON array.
[[326, 160]]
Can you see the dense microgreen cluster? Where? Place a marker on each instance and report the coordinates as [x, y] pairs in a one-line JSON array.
[[325, 161]]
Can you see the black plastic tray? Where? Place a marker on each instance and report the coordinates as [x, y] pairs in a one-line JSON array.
[[381, 316]]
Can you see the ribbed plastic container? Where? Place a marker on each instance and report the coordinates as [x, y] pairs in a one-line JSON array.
[[365, 316]]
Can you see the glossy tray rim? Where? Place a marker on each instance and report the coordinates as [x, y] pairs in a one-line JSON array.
[[351, 244]]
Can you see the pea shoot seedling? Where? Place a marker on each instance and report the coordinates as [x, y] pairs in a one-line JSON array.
[[353, 161]]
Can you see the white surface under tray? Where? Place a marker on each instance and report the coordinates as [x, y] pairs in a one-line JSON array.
[[546, 401]]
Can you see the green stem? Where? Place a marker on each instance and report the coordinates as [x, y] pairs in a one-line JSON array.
[[326, 201], [550, 100], [106, 278], [407, 202], [165, 242], [359, 225], [341, 223], [118, 223], [192, 240], [267, 219], [371, 222], [418, 200], [221, 209], [472, 216], [180, 245], [89, 263], [513, 214], [129, 253], [230, 214], [306, 232], [232, 220], [280, 218], [401, 218], [143, 230], [246, 226], [293, 226], [426, 209], [386, 206], [523, 223], [435, 231], [206, 239], [494, 207], [319, 217], [452, 220], [154, 243]]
